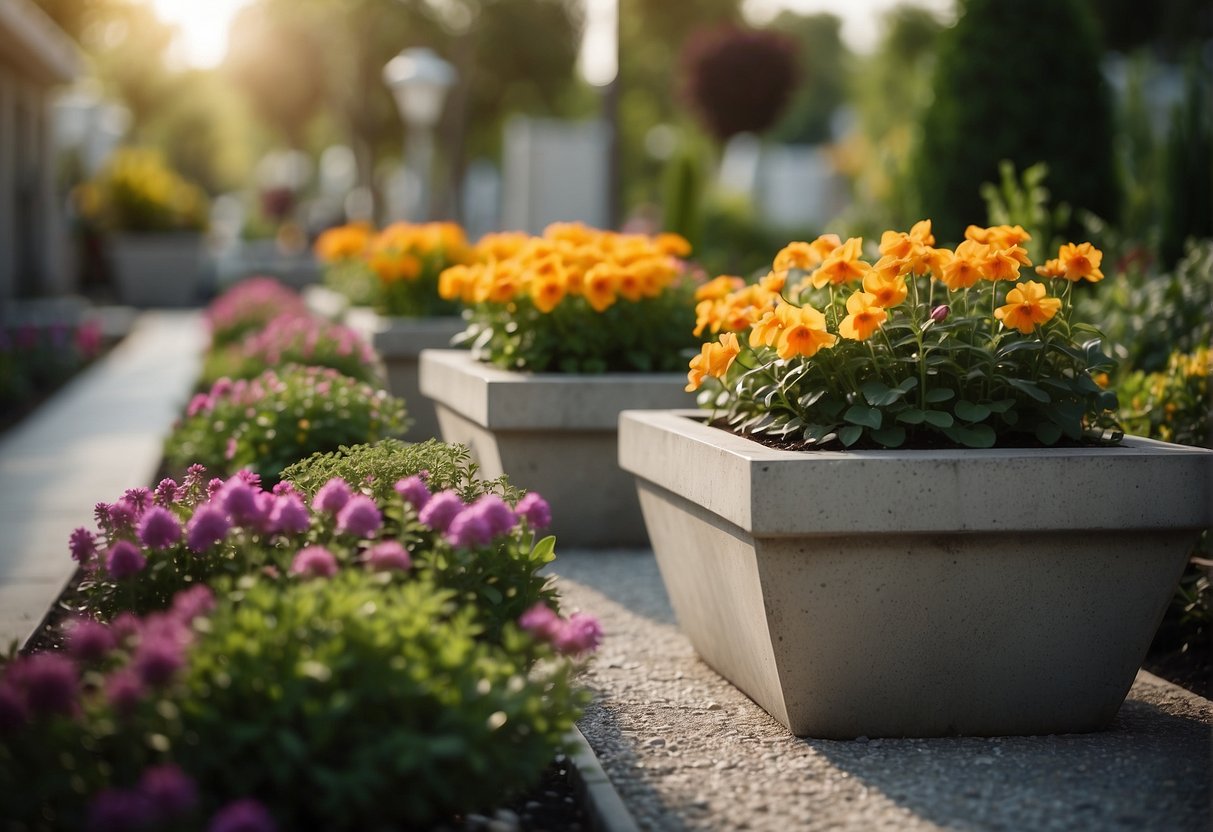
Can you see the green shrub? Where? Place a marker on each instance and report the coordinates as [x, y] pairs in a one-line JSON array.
[[1172, 404], [278, 418], [1018, 81]]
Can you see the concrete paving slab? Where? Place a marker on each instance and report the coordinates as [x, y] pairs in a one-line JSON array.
[[687, 751], [96, 437]]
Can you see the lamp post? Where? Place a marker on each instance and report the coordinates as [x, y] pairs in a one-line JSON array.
[[419, 81]]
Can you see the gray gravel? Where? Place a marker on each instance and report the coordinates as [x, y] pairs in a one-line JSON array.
[[687, 751]]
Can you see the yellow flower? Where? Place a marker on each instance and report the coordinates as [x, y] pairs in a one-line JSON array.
[[719, 287], [887, 290], [843, 265], [804, 332], [600, 286], [964, 269], [864, 318], [1026, 307], [714, 359], [1081, 262]]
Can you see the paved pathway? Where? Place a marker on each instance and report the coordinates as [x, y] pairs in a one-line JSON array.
[[96, 437], [687, 751]]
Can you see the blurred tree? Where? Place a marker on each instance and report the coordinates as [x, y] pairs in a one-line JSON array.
[[738, 80], [1020, 82], [825, 63], [1168, 28], [1188, 204]]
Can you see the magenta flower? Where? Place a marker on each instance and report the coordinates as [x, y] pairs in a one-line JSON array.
[[541, 621], [167, 492], [124, 691], [208, 526], [121, 515], [200, 403], [13, 713], [158, 528], [581, 633], [286, 488], [289, 515], [536, 511], [414, 492], [332, 496], [192, 603], [239, 499], [50, 681], [124, 626], [469, 530], [229, 451], [83, 545], [89, 640], [245, 815], [119, 810], [388, 556], [498, 517], [212, 487], [124, 559], [171, 791], [157, 659], [440, 510], [359, 517], [314, 562], [138, 498]]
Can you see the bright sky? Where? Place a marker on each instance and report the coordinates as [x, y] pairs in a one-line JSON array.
[[202, 28], [203, 24]]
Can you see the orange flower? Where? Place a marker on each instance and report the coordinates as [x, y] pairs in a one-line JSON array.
[[887, 290], [601, 285], [457, 283], [1051, 268], [547, 290], [864, 318], [499, 283], [965, 267], [343, 243], [1081, 262], [719, 287], [714, 360], [392, 265], [672, 244], [805, 256], [804, 332], [1002, 264], [998, 236], [843, 265], [1027, 306]]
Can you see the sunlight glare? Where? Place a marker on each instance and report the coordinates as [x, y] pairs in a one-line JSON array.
[[202, 28]]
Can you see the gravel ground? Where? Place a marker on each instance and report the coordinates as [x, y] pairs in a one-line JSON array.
[[687, 751]]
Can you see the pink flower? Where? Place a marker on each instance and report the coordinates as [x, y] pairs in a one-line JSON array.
[[158, 528], [124, 559], [118, 810], [192, 603], [124, 691], [940, 314], [121, 515], [50, 682], [498, 517], [289, 515], [200, 403], [541, 621], [89, 640], [229, 451], [167, 492], [171, 791], [138, 498], [124, 626], [332, 496], [440, 510], [157, 659], [536, 511], [245, 815], [83, 545], [359, 517], [388, 556], [581, 633], [239, 500], [413, 491], [208, 526], [469, 530], [315, 562]]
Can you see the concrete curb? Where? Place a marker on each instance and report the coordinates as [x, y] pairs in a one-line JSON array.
[[603, 805]]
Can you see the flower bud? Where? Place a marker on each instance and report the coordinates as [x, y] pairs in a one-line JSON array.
[[940, 313]]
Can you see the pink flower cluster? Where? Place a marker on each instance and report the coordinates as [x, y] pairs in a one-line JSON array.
[[164, 794], [154, 648], [250, 303], [573, 636], [475, 524], [293, 336], [250, 392]]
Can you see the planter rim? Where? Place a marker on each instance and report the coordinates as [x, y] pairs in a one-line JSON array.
[[395, 336], [779, 493], [504, 399]]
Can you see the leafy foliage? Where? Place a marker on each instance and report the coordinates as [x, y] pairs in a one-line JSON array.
[[280, 417]]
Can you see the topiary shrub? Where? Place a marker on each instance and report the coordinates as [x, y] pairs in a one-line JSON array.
[[1017, 81]]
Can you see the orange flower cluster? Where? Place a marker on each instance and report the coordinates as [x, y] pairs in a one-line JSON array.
[[772, 311], [569, 260], [397, 253]]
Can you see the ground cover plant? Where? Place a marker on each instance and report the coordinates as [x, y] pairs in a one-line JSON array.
[[37, 358]]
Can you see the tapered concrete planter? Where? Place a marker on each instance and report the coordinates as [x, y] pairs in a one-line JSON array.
[[399, 341], [158, 270], [552, 433], [918, 593]]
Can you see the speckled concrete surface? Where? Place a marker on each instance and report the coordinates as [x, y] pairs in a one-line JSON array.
[[687, 751]]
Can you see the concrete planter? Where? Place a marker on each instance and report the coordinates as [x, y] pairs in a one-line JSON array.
[[552, 433], [158, 270], [399, 341], [918, 593], [323, 301]]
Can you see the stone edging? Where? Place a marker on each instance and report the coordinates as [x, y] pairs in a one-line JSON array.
[[603, 806]]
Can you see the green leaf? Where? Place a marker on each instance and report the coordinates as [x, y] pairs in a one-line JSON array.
[[1000, 405], [1029, 389], [912, 416], [544, 551], [879, 394], [492, 594], [1048, 432], [973, 436], [848, 435], [938, 418], [907, 384], [1020, 346], [938, 394], [858, 414], [968, 411], [890, 437]]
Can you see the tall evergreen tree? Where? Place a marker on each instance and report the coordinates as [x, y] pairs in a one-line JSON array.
[[1018, 81]]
